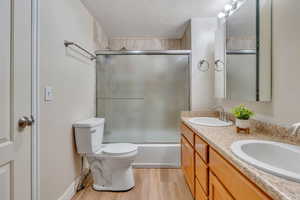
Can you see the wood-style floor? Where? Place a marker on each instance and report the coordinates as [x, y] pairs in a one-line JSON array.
[[151, 184]]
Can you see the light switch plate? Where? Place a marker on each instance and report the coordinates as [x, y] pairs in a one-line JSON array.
[[48, 94]]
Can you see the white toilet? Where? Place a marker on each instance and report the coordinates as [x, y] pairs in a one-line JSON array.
[[111, 164]]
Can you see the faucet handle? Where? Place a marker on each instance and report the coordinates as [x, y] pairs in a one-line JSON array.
[[226, 117]]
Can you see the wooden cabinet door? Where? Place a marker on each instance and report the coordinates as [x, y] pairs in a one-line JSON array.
[[187, 133], [217, 190], [199, 193], [201, 171], [237, 184], [201, 148], [187, 163]]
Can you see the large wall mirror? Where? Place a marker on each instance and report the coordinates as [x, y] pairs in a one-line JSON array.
[[246, 53]]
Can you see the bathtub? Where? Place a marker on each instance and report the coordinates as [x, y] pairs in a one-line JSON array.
[[158, 156]]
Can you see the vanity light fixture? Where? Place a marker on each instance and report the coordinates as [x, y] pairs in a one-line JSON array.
[[230, 8]]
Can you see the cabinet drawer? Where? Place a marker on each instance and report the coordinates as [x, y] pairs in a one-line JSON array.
[[217, 190], [202, 148], [199, 194], [201, 173], [188, 133], [238, 185], [187, 163]]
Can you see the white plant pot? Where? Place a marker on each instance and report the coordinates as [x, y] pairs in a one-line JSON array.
[[242, 123]]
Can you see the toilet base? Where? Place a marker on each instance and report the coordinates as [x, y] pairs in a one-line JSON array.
[[121, 180], [112, 173], [109, 189]]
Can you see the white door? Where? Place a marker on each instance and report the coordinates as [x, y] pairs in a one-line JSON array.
[[15, 99]]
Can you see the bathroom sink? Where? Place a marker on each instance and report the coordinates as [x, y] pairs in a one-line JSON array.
[[209, 121], [279, 159]]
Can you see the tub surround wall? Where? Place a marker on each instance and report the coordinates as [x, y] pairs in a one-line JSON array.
[[103, 41], [100, 37], [284, 108], [144, 43], [186, 38]]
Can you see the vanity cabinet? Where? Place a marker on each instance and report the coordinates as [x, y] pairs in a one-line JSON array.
[[209, 175], [235, 182]]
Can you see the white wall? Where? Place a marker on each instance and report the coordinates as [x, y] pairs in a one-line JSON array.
[[284, 108], [72, 77], [202, 83], [100, 37]]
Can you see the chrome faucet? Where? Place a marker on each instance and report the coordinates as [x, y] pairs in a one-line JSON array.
[[222, 114], [295, 128]]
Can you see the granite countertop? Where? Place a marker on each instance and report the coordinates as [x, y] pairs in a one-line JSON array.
[[221, 138]]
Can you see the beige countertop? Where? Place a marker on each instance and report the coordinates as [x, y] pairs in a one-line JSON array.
[[221, 138]]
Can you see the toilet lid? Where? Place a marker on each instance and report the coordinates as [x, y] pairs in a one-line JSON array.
[[119, 148]]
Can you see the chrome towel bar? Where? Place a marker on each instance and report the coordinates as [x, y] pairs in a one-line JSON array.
[[68, 43]]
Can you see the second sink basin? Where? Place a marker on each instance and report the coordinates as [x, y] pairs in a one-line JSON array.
[[276, 158], [209, 121]]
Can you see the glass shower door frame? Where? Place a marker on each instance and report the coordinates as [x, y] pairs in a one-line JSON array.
[[136, 97]]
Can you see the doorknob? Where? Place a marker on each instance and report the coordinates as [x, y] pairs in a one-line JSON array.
[[25, 121]]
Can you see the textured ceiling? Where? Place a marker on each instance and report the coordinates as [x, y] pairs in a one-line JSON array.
[[150, 18]]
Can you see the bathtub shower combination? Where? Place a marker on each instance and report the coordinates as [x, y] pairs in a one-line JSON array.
[[141, 94]]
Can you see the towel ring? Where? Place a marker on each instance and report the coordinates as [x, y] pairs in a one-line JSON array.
[[203, 65], [219, 66]]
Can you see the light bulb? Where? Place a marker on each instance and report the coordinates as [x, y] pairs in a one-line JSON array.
[[234, 4], [227, 7], [221, 15]]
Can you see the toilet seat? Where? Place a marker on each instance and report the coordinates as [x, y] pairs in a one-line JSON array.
[[116, 149]]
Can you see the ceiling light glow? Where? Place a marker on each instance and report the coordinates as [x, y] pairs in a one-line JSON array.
[[221, 15]]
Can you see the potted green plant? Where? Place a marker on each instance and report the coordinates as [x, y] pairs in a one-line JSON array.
[[242, 114]]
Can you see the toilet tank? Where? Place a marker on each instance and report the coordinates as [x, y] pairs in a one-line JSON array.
[[89, 135]]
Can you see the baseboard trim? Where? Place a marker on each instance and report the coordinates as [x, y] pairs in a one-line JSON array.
[[70, 191]]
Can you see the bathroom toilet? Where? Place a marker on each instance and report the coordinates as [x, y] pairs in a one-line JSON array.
[[110, 164]]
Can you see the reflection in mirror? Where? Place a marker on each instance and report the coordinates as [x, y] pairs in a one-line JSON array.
[[220, 70], [246, 51]]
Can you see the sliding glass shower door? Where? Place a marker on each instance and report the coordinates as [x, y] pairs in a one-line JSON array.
[[141, 96]]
